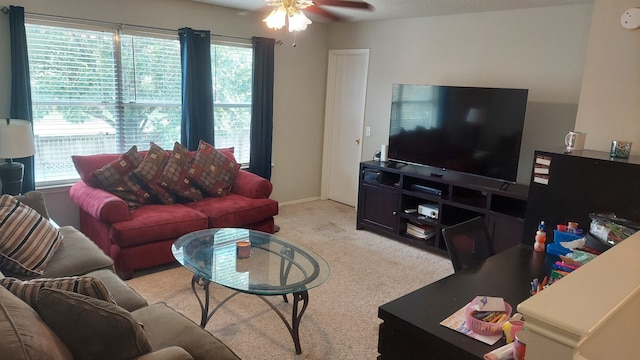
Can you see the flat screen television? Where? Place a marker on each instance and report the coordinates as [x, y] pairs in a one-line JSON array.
[[468, 129]]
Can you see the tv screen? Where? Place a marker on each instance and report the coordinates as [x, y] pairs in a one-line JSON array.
[[467, 129]]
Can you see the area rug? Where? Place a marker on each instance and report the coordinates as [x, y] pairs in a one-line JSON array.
[[367, 270]]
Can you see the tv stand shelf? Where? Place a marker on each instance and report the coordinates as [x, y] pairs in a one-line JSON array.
[[390, 193]]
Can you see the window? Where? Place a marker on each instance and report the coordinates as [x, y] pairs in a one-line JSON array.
[[102, 90]]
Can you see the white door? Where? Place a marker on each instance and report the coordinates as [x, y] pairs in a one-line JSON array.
[[344, 121]]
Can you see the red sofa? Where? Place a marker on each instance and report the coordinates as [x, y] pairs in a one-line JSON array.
[[142, 238]]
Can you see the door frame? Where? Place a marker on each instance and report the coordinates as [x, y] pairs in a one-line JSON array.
[[329, 117]]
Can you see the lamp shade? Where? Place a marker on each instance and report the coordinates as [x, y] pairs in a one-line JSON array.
[[16, 139], [298, 21]]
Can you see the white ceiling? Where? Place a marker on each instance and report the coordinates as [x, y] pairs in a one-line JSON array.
[[396, 9]]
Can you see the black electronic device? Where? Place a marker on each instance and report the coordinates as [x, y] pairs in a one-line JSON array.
[[468, 129], [371, 176], [427, 189]]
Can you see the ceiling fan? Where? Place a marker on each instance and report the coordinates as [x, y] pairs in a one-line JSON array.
[[290, 11]]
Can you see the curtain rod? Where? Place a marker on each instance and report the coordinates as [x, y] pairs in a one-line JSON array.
[[5, 10]]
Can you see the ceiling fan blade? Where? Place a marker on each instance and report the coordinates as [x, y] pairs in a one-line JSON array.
[[344, 3], [325, 13]]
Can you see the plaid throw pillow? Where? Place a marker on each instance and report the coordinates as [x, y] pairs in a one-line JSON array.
[[174, 176], [150, 170], [27, 239], [115, 177], [212, 171], [27, 290]]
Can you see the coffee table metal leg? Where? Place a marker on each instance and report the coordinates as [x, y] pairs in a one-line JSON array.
[[205, 315], [204, 307], [296, 316], [287, 255], [296, 312]]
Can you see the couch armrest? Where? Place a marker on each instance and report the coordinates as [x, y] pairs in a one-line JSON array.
[[251, 185], [100, 204], [168, 353]]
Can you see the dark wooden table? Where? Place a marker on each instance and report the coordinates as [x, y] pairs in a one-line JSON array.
[[411, 324]]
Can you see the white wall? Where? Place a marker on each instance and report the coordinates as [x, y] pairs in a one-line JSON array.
[[610, 99], [300, 76], [541, 49]]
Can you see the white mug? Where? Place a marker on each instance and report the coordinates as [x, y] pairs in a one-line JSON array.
[[575, 140]]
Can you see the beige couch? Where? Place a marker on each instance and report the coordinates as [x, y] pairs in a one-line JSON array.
[[26, 334]]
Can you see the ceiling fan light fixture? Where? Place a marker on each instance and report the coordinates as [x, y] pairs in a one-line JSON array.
[[276, 19], [298, 21], [288, 11]]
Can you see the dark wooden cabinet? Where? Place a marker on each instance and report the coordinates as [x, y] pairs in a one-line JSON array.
[[580, 183], [383, 209], [390, 193]]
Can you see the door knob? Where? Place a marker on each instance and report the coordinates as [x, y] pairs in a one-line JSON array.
[[358, 141]]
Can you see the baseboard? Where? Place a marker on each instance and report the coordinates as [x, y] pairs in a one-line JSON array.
[[299, 201]]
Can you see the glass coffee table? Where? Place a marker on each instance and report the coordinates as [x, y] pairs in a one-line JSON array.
[[268, 266]]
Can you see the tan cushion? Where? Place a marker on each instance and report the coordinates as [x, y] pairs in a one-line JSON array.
[[212, 171], [150, 170], [123, 294], [36, 201], [174, 175], [116, 178], [77, 255], [24, 336], [168, 353], [28, 290], [27, 239], [92, 328], [183, 333]]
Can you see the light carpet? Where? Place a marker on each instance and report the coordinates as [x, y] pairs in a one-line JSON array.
[[341, 321]]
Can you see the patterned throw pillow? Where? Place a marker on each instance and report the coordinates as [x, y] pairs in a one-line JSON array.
[[212, 171], [150, 170], [115, 177], [27, 290], [174, 176], [27, 239]]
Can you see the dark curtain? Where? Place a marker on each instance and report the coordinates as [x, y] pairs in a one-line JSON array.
[[262, 107], [20, 85], [197, 89]]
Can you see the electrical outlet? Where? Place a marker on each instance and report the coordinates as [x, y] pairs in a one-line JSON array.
[[367, 131]]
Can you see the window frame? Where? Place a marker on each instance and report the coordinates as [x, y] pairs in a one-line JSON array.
[[117, 31]]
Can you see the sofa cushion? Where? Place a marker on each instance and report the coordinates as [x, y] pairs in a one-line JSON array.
[[212, 171], [25, 336], [174, 176], [115, 177], [234, 210], [28, 290], [151, 223], [77, 255], [150, 170], [92, 328], [27, 239], [126, 297], [36, 201], [168, 353], [183, 333]]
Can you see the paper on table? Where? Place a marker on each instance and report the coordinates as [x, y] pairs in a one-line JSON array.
[[490, 303], [457, 320]]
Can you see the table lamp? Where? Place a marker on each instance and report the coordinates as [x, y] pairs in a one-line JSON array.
[[16, 141]]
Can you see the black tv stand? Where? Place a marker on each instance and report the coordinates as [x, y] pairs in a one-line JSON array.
[[390, 201], [396, 164]]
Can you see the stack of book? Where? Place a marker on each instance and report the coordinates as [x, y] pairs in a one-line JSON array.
[[420, 231]]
